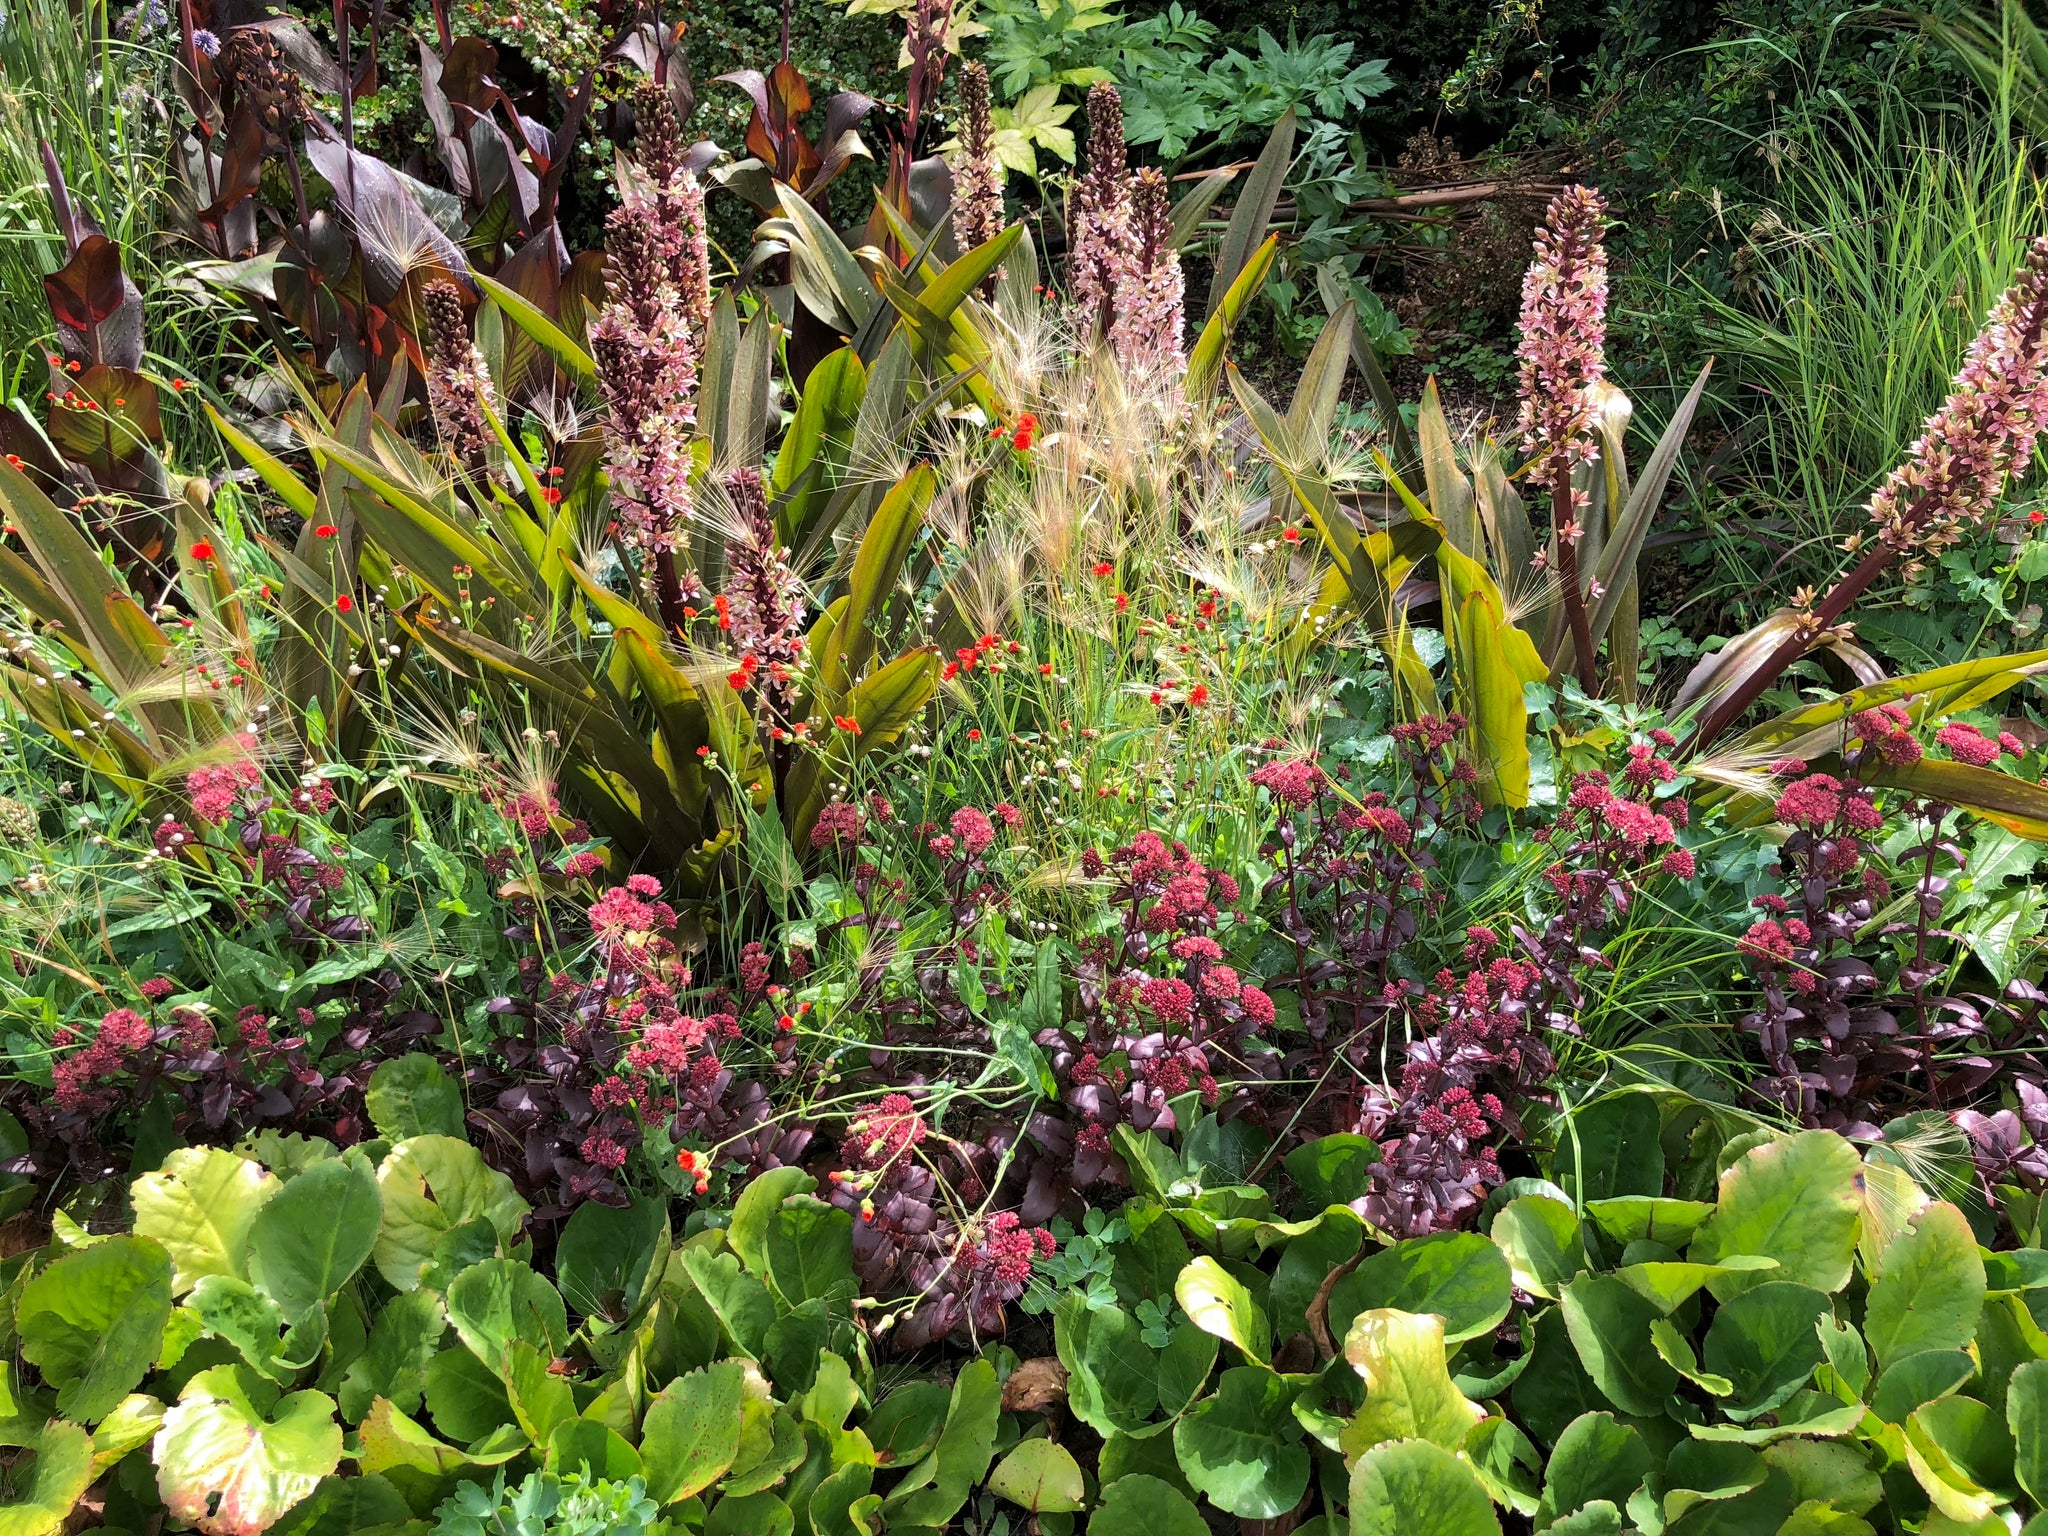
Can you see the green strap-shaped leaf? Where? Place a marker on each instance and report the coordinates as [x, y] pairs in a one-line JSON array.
[[523, 313], [1254, 211], [1205, 358]]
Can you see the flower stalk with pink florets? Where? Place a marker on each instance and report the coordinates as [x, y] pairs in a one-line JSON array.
[[1563, 358], [1982, 436]]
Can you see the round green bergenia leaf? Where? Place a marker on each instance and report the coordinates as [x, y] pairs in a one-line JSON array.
[[232, 1457], [1796, 1200], [1413, 1488], [47, 1490], [1041, 1476], [1140, 1505], [431, 1185], [1241, 1448], [1929, 1290], [94, 1320], [200, 1205]]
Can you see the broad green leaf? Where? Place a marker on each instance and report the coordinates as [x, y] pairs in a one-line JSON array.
[[430, 1185], [411, 1096], [1610, 1328], [1541, 1239], [1918, 1379], [1596, 1457], [93, 1322], [1847, 1371], [754, 1212], [1616, 1140], [1599, 1518], [933, 1491], [1766, 1342], [1507, 1462], [132, 1424], [236, 1311], [1839, 1474], [499, 1303], [1676, 1351], [1554, 1388], [1460, 1276], [841, 1505], [610, 1259], [199, 1205], [749, 1514], [810, 1253], [48, 1488], [311, 1237], [1041, 1476], [1670, 1283], [1218, 1303], [1961, 1455], [1648, 1218], [1140, 1505], [1929, 1289], [1112, 1377], [692, 1431], [1408, 1390], [1241, 1449], [1305, 1264], [541, 1401], [1796, 1200], [403, 1341], [1413, 1488], [739, 1301], [2026, 1415], [232, 1456], [466, 1398], [343, 1506], [1332, 1170]]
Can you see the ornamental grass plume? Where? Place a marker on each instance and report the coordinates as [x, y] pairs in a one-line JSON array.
[[1102, 241], [1146, 328], [1954, 473], [1563, 357], [977, 175], [457, 380], [648, 341]]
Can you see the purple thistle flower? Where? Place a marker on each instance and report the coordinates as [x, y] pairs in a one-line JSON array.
[[1984, 432], [1101, 225], [458, 383], [1564, 335], [1146, 328]]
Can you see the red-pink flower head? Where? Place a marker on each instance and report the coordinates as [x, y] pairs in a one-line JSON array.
[[1967, 744]]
